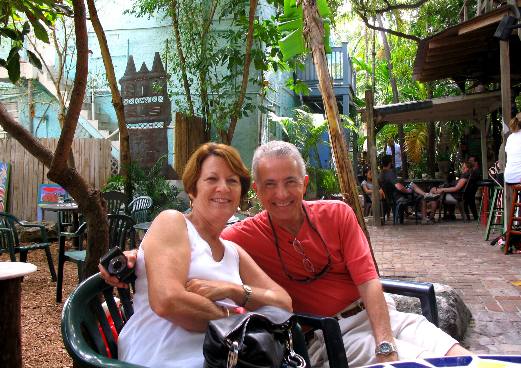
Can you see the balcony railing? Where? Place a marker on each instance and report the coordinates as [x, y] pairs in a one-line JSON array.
[[339, 65], [480, 7]]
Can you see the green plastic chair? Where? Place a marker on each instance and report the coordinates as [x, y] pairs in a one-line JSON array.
[[86, 331], [121, 231], [10, 242], [116, 202], [87, 334], [140, 209]]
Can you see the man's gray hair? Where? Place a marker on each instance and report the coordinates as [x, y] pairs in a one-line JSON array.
[[277, 149]]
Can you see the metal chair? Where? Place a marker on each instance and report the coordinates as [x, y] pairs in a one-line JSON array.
[[121, 229], [11, 242], [140, 209], [116, 202]]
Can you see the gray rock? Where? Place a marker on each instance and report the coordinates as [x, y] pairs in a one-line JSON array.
[[32, 234], [453, 314]]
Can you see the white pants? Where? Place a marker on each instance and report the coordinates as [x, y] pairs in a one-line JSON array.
[[415, 337]]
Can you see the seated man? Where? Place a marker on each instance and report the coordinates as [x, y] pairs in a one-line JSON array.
[[317, 252], [411, 195]]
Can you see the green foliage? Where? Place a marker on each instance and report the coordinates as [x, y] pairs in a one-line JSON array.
[[419, 21], [17, 19], [150, 183], [304, 133], [327, 183]]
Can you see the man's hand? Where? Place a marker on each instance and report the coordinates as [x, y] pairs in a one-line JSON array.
[[387, 358], [113, 280]]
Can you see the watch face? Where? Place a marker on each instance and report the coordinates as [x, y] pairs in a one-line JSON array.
[[385, 348]]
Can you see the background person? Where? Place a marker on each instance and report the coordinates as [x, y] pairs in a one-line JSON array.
[[367, 188], [453, 193], [513, 151], [183, 267]]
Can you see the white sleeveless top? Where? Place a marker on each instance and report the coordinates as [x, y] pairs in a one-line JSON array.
[[152, 341]]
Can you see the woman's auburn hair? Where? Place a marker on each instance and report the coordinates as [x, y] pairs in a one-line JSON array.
[[515, 123], [192, 171]]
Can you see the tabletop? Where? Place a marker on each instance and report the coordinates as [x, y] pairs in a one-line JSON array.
[[144, 226], [11, 270], [482, 361], [59, 206]]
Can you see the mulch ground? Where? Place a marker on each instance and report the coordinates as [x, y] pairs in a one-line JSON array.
[[42, 344]]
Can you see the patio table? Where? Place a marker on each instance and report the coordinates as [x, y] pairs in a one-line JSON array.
[[11, 275]]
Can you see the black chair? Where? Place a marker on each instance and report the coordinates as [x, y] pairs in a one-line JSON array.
[[121, 230], [10, 241], [116, 202]]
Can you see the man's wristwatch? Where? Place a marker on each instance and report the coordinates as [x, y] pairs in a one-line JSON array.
[[247, 294], [385, 348]]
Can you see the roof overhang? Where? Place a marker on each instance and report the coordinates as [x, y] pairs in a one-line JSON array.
[[465, 107], [467, 51]]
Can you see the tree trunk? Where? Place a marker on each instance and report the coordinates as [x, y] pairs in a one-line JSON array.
[[182, 60], [396, 98], [431, 141], [88, 198], [117, 101], [314, 33], [245, 74]]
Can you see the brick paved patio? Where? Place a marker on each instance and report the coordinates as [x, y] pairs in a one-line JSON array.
[[454, 253]]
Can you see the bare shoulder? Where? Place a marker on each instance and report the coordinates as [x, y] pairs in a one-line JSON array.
[[167, 221]]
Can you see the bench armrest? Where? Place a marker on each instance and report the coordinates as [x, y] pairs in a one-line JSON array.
[[421, 290]]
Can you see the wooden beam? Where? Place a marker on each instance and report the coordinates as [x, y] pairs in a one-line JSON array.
[[496, 18], [371, 151], [506, 109], [483, 141]]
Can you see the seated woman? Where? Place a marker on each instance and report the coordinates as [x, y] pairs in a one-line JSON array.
[[453, 193], [367, 188], [184, 268]]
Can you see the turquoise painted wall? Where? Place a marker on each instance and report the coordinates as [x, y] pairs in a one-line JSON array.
[[141, 38]]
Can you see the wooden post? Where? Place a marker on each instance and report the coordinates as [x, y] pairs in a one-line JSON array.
[[189, 135], [483, 140], [10, 324], [314, 33], [506, 109], [371, 151]]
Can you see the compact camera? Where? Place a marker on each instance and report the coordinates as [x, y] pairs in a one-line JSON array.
[[115, 263]]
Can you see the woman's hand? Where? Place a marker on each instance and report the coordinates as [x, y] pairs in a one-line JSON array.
[[113, 280], [213, 290]]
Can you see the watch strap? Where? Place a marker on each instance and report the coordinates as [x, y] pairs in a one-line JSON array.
[[247, 294]]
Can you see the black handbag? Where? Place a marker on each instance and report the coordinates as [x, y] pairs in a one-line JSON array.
[[260, 339]]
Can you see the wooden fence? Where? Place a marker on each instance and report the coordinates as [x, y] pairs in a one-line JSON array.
[[92, 158]]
